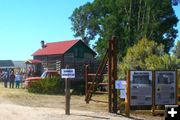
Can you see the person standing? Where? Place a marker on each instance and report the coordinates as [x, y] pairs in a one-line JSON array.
[[18, 78], [5, 78], [11, 79]]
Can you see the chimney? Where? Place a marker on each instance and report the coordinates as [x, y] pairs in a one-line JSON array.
[[42, 44]]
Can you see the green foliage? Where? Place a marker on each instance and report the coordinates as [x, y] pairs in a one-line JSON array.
[[175, 2], [78, 88], [177, 49], [52, 85], [129, 20], [147, 55]]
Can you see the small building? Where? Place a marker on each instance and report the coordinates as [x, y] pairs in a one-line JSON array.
[[71, 54], [6, 65]]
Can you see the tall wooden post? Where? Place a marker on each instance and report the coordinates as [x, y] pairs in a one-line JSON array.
[[127, 100], [86, 81], [112, 74], [153, 93], [110, 77], [67, 95], [114, 70], [67, 88]]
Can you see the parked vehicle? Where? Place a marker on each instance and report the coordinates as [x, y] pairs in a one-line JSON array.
[[46, 74]]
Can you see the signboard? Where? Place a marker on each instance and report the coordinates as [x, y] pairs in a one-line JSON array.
[[67, 73], [165, 87], [140, 88], [121, 85], [123, 94]]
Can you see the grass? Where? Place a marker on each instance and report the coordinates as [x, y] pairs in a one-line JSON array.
[[24, 98]]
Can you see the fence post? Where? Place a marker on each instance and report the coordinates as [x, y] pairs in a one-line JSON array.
[[153, 93], [127, 99], [110, 77], [114, 72], [86, 81]]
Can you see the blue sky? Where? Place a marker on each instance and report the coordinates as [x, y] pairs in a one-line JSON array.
[[24, 23]]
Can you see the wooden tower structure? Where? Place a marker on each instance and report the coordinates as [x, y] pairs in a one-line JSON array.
[[109, 59]]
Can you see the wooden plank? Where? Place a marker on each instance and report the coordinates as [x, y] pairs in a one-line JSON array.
[[93, 74], [98, 83], [99, 101], [100, 92]]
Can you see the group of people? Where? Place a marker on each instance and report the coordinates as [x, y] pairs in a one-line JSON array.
[[12, 78]]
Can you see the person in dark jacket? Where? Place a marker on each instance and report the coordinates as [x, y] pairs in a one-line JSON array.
[[11, 79], [4, 76]]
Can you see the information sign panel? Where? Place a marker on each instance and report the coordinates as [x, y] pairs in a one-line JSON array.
[[165, 87], [121, 85], [140, 88]]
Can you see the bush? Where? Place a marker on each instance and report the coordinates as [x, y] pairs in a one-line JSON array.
[[52, 85], [78, 88]]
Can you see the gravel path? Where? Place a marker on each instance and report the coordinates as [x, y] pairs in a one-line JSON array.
[[17, 104], [16, 112], [11, 111]]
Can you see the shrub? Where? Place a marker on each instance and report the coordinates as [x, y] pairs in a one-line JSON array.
[[78, 88], [52, 85]]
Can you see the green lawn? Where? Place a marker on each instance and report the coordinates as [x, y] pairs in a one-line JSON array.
[[24, 98]]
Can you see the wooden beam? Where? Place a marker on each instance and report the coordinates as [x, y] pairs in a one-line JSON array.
[[99, 92], [99, 101], [86, 82], [110, 77], [114, 72], [99, 83], [127, 100]]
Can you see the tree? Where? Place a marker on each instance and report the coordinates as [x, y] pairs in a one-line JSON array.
[[175, 2], [148, 55], [82, 23], [177, 50], [129, 20]]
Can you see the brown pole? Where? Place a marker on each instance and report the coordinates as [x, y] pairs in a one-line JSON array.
[[153, 93], [67, 94], [114, 65], [86, 81], [67, 87], [127, 100], [110, 78]]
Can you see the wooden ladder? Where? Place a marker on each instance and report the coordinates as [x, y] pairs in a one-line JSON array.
[[96, 81]]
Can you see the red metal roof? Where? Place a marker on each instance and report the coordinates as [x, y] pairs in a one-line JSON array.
[[55, 48]]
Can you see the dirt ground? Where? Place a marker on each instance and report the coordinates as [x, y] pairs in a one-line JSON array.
[[18, 104]]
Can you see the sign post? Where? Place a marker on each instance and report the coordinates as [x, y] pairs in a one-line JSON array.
[[67, 73], [127, 99], [67, 94]]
